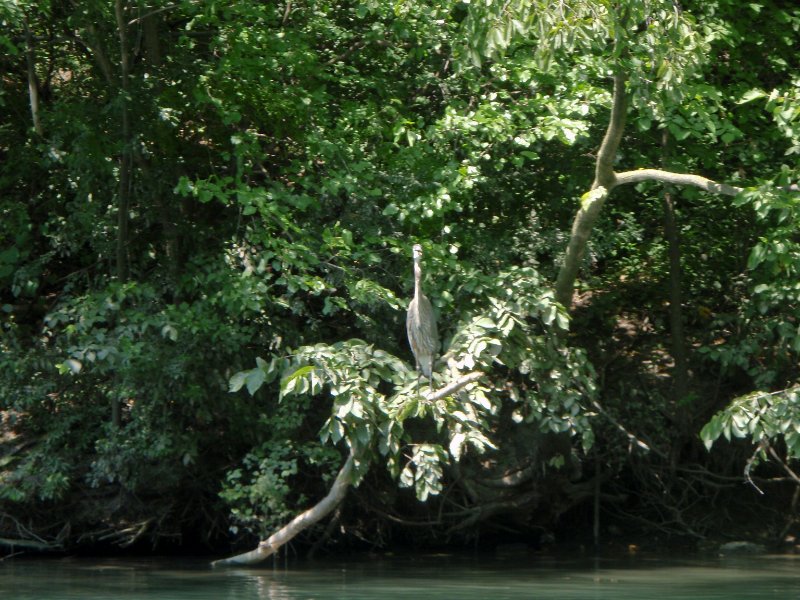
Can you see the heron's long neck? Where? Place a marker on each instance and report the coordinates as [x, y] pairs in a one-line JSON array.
[[417, 279]]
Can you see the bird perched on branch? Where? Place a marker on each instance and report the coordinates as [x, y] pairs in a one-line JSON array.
[[423, 337]]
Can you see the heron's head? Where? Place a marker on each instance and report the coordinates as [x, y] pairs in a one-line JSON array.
[[417, 252]]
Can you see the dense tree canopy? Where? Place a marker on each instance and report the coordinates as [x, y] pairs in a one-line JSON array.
[[207, 212]]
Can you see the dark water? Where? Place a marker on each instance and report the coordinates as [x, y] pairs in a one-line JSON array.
[[418, 578]]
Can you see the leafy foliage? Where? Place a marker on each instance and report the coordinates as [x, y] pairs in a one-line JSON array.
[[520, 331], [284, 158], [764, 417]]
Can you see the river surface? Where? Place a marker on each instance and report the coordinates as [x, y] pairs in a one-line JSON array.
[[424, 577]]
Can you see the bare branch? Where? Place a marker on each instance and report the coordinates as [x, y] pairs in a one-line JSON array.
[[510, 479], [677, 179], [484, 511], [354, 47], [92, 43], [632, 439], [302, 521], [749, 466], [795, 477], [287, 11], [454, 386], [141, 18], [33, 80]]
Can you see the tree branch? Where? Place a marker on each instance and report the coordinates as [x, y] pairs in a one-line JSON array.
[[302, 521], [677, 179], [145, 16], [632, 439], [334, 497], [93, 45], [454, 386], [604, 182], [794, 476], [604, 168]]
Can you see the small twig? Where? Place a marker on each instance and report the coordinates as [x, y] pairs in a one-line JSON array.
[[786, 467], [151, 13], [287, 11], [354, 47], [749, 466], [12, 555], [454, 386], [512, 478], [632, 439]]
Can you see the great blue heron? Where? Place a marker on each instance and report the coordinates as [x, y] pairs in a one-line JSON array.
[[423, 337]]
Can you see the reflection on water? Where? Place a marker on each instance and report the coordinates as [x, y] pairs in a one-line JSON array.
[[420, 577]]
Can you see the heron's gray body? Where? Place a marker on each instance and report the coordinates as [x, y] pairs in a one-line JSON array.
[[423, 336]]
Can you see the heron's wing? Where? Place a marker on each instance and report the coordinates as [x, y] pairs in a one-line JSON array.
[[428, 331]]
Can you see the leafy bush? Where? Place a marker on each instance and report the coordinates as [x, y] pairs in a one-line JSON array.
[[516, 341]]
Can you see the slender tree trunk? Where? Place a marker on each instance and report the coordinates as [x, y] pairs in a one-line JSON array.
[[125, 162], [680, 373], [152, 46], [592, 203], [125, 167], [93, 44], [168, 210], [33, 80], [579, 236]]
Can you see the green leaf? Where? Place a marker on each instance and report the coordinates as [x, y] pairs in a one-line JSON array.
[[711, 432], [301, 372], [678, 132], [751, 95], [168, 331], [757, 255], [255, 378], [70, 366], [237, 381]]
